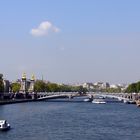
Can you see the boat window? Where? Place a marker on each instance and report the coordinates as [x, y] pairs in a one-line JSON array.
[[0, 125]]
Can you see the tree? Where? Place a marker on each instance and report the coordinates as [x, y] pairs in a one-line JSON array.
[[1, 86], [65, 88], [52, 87], [113, 90], [1, 83], [40, 86], [15, 87], [132, 88], [138, 87], [81, 90]]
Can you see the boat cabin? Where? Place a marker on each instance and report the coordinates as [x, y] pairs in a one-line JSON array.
[[4, 125]]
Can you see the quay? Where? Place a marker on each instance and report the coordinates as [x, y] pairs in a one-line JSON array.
[[4, 102]]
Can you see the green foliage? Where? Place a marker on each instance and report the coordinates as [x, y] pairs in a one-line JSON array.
[[134, 87], [65, 88], [1, 85], [138, 87], [81, 90], [52, 87], [113, 90], [15, 87], [40, 86]]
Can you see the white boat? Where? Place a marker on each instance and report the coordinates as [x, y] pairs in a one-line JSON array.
[[126, 101], [4, 125], [120, 99], [132, 102], [129, 101], [87, 100], [98, 101]]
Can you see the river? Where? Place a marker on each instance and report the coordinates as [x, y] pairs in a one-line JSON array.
[[71, 120]]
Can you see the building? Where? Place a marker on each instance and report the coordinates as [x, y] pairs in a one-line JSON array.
[[106, 85], [6, 84], [27, 85], [88, 86], [101, 85], [114, 86], [1, 86]]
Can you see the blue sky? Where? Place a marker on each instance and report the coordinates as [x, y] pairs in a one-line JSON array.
[[71, 41]]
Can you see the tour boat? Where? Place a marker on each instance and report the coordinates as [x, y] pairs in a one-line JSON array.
[[129, 101], [98, 101], [132, 102], [4, 125]]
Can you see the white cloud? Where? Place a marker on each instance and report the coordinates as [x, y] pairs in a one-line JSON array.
[[44, 28]]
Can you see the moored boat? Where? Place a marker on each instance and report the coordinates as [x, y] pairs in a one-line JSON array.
[[99, 101], [88, 100], [126, 101], [132, 102], [4, 125], [120, 99]]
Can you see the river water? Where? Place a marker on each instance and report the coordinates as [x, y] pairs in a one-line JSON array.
[[71, 120]]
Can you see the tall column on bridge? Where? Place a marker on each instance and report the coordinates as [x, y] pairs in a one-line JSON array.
[[31, 89], [23, 83]]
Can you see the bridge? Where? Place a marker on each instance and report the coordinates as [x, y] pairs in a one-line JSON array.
[[125, 97], [39, 97], [55, 95]]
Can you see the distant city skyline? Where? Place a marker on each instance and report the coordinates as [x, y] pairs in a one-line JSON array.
[[71, 41]]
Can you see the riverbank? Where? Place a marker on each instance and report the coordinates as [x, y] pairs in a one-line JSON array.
[[4, 102], [14, 101]]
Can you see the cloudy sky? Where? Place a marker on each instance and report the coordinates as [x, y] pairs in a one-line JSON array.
[[71, 41]]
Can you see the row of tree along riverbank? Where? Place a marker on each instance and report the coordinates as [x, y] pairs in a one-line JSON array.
[[41, 86], [133, 88]]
